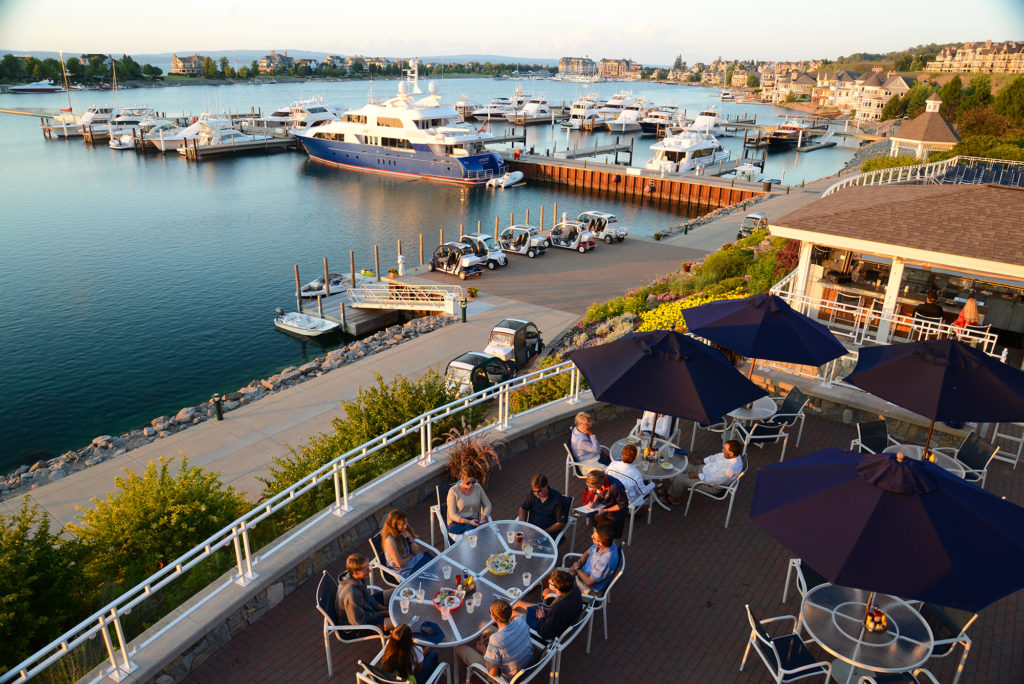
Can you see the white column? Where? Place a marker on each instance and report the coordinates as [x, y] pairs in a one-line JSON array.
[[889, 303], [803, 268]]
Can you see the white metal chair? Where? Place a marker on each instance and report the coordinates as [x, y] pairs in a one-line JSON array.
[[786, 657], [718, 493], [379, 562], [925, 327], [599, 600], [949, 628], [975, 455], [974, 334], [791, 410], [326, 603], [544, 654], [918, 676], [667, 427], [439, 520], [372, 674], [562, 642], [1013, 433], [720, 428], [579, 470], [872, 437], [761, 433], [807, 578]]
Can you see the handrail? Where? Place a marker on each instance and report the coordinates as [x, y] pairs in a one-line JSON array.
[[236, 535], [912, 174], [404, 295]]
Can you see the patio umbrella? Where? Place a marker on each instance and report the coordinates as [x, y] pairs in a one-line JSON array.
[[942, 380], [666, 372], [764, 326], [882, 523]]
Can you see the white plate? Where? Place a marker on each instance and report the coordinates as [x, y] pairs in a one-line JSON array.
[[514, 592], [667, 465], [407, 593]]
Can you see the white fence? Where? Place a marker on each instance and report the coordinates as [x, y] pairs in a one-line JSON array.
[[920, 173], [236, 536]]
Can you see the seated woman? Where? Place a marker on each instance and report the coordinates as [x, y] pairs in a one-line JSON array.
[[401, 552], [468, 505], [969, 314], [404, 658]]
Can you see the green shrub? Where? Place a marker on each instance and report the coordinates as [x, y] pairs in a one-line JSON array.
[[725, 263], [884, 162], [154, 519], [541, 392], [41, 584], [376, 409]]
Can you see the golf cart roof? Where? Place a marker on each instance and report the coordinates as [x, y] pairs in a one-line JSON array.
[[510, 325], [758, 215], [471, 360]]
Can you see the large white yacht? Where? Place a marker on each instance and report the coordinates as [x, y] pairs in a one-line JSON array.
[[167, 139], [96, 116], [406, 137], [686, 151], [628, 119], [709, 121], [534, 110], [214, 138], [585, 113]]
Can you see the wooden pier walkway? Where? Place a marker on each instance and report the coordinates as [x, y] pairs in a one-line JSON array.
[[354, 321]]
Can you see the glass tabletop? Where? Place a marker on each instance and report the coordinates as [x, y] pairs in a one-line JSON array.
[[668, 464], [916, 452], [469, 556], [834, 617], [761, 408]]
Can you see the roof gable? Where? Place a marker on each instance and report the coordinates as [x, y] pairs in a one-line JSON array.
[[927, 127]]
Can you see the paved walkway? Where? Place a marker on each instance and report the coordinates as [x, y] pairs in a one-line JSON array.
[[677, 615]]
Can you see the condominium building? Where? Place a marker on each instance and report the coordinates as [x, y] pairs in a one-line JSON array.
[[576, 66], [977, 57]]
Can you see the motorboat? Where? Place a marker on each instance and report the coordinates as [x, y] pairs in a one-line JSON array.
[[710, 122], [686, 151], [309, 113], [726, 96], [499, 108], [303, 324], [37, 87], [509, 179], [166, 139], [616, 103], [95, 117], [129, 118], [659, 119], [787, 134], [627, 120], [534, 110], [218, 138], [406, 136], [315, 288], [749, 172], [466, 107], [584, 114]]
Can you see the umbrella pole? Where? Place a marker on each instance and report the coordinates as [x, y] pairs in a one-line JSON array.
[[654, 429], [928, 440], [867, 609], [750, 373]]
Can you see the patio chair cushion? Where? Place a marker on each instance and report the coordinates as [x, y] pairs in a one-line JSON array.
[[383, 676], [793, 652], [975, 452], [874, 435], [896, 678], [792, 404]]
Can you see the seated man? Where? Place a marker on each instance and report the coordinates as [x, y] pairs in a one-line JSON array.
[[608, 494], [544, 506], [596, 567], [356, 604], [584, 445], [930, 308], [628, 475], [718, 470], [503, 652], [663, 428], [563, 604]]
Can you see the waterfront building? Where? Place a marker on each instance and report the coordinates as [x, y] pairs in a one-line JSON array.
[[355, 60], [191, 65], [834, 89], [976, 57], [84, 59], [739, 78], [925, 133], [275, 61], [576, 66], [333, 62]]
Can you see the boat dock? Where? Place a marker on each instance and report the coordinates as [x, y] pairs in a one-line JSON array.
[[608, 148], [197, 152], [354, 321]]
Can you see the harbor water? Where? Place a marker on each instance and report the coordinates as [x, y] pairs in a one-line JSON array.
[[134, 285]]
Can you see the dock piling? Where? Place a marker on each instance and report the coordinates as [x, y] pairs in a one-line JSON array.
[[421, 249], [327, 279], [298, 290], [376, 261], [352, 265]]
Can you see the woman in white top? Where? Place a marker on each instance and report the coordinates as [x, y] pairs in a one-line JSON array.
[[468, 505]]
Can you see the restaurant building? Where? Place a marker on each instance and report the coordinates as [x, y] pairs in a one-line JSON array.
[[870, 254]]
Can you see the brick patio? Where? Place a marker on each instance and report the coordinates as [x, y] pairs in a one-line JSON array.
[[677, 615]]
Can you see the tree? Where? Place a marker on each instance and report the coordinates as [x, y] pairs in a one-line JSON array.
[[10, 67], [902, 63], [728, 76], [243, 73], [128, 68], [678, 64], [254, 68], [1010, 102], [96, 68], [74, 67], [978, 93], [981, 121], [150, 71], [209, 68], [913, 101], [753, 81], [892, 108], [153, 519], [951, 94], [225, 67]]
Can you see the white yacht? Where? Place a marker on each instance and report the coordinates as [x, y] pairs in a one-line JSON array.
[[534, 110], [214, 138], [709, 121], [405, 136], [499, 108], [167, 140], [129, 119], [585, 114], [616, 103], [123, 140], [686, 151], [628, 120], [309, 113], [659, 119], [96, 116]]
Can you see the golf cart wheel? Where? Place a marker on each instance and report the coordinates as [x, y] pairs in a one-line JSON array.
[[430, 266], [547, 243], [462, 275], [491, 265], [621, 238], [583, 249], [608, 239], [531, 253]]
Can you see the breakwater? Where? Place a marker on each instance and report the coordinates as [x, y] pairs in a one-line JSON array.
[[105, 447]]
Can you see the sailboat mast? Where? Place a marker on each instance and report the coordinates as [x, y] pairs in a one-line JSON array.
[[63, 70]]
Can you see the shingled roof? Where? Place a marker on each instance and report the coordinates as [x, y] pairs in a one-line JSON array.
[[928, 127], [974, 221]]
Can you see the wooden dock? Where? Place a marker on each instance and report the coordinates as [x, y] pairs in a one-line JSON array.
[[197, 152], [354, 321]]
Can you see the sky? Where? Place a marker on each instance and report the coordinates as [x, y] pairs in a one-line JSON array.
[[649, 31]]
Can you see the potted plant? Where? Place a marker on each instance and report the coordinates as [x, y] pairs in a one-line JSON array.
[[472, 292], [392, 273], [475, 452], [657, 236]]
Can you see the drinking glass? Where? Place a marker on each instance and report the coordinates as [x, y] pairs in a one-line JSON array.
[[420, 593], [472, 540], [478, 598], [526, 579], [510, 536], [446, 570], [528, 550], [446, 614], [404, 603], [470, 605]]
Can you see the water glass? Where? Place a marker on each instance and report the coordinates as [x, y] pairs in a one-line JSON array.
[[478, 598], [472, 540], [526, 579], [446, 570], [470, 605], [446, 614], [404, 603], [420, 593], [528, 550], [510, 536]]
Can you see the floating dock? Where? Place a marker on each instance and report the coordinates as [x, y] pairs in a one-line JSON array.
[[197, 152]]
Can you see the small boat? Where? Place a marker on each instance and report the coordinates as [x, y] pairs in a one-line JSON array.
[[787, 134], [509, 179], [315, 288], [749, 173], [225, 138], [726, 96], [37, 87], [303, 324]]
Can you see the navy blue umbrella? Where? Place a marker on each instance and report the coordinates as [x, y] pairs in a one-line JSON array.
[[666, 372], [764, 326], [901, 527], [942, 380]]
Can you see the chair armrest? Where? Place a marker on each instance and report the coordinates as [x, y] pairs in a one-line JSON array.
[[478, 670], [945, 450], [780, 618], [893, 440], [427, 546], [814, 666], [928, 675], [568, 558]]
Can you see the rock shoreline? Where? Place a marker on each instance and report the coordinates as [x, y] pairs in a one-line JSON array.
[[105, 447]]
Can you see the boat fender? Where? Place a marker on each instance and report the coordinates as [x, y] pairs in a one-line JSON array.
[[649, 189], [615, 178]]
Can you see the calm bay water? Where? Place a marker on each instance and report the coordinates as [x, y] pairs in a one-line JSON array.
[[131, 286]]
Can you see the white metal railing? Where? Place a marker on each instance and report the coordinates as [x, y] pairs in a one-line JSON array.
[[404, 296], [236, 535], [919, 173]]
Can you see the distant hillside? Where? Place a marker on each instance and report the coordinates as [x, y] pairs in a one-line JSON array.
[[244, 57]]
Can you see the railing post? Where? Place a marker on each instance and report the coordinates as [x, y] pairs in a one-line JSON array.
[[243, 556], [118, 672], [340, 478], [344, 485]]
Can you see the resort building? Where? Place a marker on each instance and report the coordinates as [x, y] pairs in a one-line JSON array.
[[834, 89], [275, 61], [925, 133], [975, 57], [187, 66], [334, 62], [614, 69], [576, 66]]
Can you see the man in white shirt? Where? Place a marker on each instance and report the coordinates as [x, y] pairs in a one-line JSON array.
[[629, 475], [718, 470], [663, 428]]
